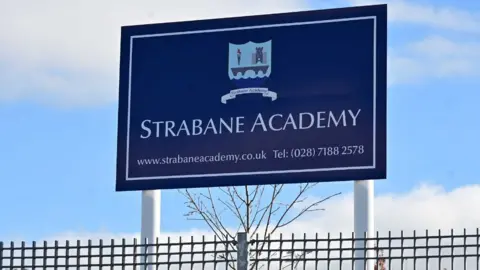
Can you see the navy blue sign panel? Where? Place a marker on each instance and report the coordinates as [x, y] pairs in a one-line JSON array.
[[283, 98]]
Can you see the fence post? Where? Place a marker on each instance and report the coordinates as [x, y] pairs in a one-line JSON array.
[[242, 251], [1, 255]]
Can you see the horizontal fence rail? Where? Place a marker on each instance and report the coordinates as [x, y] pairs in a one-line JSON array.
[[414, 251]]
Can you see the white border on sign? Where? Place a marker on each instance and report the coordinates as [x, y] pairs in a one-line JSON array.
[[374, 18]]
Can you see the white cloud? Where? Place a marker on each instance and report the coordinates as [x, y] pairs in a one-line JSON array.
[[425, 207], [434, 57], [447, 18], [67, 51]]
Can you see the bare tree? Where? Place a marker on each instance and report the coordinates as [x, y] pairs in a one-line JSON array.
[[259, 210]]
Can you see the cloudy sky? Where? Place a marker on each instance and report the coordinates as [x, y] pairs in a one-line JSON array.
[[58, 105]]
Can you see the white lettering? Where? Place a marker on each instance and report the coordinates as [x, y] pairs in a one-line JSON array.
[[157, 128], [210, 125], [290, 121], [224, 124], [276, 122], [331, 117], [183, 127], [270, 122], [259, 121], [197, 127], [312, 120], [320, 119], [354, 117], [169, 125], [147, 129], [239, 123]]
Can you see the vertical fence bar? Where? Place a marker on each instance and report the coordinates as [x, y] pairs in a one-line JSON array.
[[427, 258], [316, 251], [112, 254], [22, 255], [55, 252], [1, 255], [67, 254], [100, 253], [304, 251], [242, 251], [192, 250], [157, 254], [257, 253], [89, 254], [415, 250], [135, 254], [439, 249], [365, 251], [204, 251], [478, 249], [123, 253], [353, 251], [341, 251], [292, 250], [465, 248], [402, 254], [79, 253], [280, 254], [143, 251], [169, 246], [389, 252], [45, 250], [214, 252], [34, 255], [328, 251], [225, 257], [269, 253], [12, 254], [180, 253], [228, 259], [376, 263], [452, 245]]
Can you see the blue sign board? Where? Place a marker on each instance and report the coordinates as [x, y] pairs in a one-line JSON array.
[[282, 98]]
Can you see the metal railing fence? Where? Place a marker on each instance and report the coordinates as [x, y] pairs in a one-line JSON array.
[[414, 251]]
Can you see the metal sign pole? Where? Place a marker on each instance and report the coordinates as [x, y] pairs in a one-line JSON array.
[[363, 194], [151, 200]]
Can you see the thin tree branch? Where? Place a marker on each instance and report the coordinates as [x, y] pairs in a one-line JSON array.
[[236, 207], [309, 208], [247, 210], [199, 211], [267, 214], [272, 211], [302, 190], [258, 203], [217, 218], [239, 196], [268, 209], [215, 226]]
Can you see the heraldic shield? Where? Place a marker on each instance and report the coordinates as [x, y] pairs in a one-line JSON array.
[[249, 66]]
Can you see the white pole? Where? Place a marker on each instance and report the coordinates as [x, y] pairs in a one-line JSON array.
[[150, 221], [363, 194]]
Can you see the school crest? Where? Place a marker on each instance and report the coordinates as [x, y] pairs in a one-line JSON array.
[[249, 66]]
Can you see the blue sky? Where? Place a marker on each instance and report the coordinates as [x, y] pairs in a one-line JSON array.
[[58, 115]]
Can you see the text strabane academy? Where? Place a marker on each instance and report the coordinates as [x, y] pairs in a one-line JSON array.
[[275, 123]]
